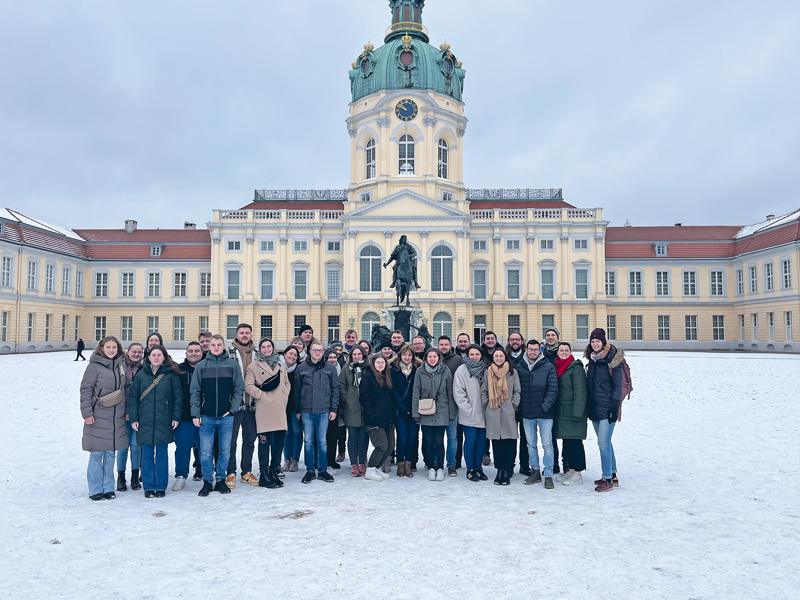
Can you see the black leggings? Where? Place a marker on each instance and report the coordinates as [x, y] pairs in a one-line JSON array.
[[433, 445], [270, 447], [504, 451], [574, 454]]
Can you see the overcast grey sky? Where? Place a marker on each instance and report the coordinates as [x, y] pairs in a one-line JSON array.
[[659, 111]]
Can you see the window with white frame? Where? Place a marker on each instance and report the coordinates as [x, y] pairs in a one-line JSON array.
[[47, 319], [478, 327], [513, 283], [718, 327], [717, 283], [266, 326], [582, 327], [203, 323], [442, 325], [660, 249], [753, 273], [662, 283], [63, 328], [33, 274], [267, 246], [300, 246], [179, 285], [582, 284], [153, 285], [234, 245], [690, 322], [443, 159], [333, 328], [786, 273], [771, 325], [580, 244], [370, 273], [611, 327], [31, 328], [755, 327], [299, 321], [365, 197], [152, 325], [637, 328], [690, 283], [178, 329], [333, 246], [788, 320], [205, 284], [101, 284], [370, 159], [611, 283], [739, 282], [66, 281], [267, 284], [447, 196], [547, 245], [406, 162], [233, 284], [368, 321], [126, 284], [548, 321], [663, 328], [547, 283], [442, 269], [635, 283], [77, 328], [769, 277], [5, 271], [99, 328], [231, 323], [4, 326], [334, 284], [50, 278], [300, 284], [479, 246], [79, 283], [155, 250], [514, 324], [741, 327], [479, 284], [513, 245], [126, 329]]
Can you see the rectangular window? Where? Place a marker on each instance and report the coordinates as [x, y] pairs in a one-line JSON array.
[[301, 246], [267, 284], [266, 326], [582, 327], [769, 277], [513, 284], [63, 328], [663, 328], [548, 287], [101, 285], [365, 197], [691, 327], [333, 328], [178, 329], [770, 323], [753, 273], [99, 328], [718, 327], [153, 285], [514, 324], [152, 325], [299, 321], [126, 329], [611, 327], [660, 249], [479, 246], [548, 321], [513, 245], [231, 323], [234, 246], [79, 283], [77, 328], [786, 274], [717, 283], [47, 319], [479, 284], [739, 282], [547, 245], [155, 251], [611, 283], [300, 278], [66, 281], [50, 279], [203, 323], [582, 284], [5, 274], [127, 284], [636, 327], [447, 196], [334, 284], [33, 272], [634, 283], [580, 244], [179, 285], [334, 246], [755, 327], [30, 327], [205, 284], [788, 319], [662, 283], [267, 246], [233, 285], [479, 327], [690, 283], [4, 326]]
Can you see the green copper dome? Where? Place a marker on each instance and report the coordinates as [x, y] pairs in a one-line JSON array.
[[407, 60]]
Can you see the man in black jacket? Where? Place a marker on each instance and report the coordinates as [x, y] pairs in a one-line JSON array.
[[516, 352], [187, 435], [455, 439]]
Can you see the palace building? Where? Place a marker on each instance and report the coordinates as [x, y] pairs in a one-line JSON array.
[[489, 259]]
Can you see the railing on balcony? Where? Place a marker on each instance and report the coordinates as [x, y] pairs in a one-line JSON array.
[[233, 214], [581, 213], [311, 195], [514, 194], [482, 214], [546, 213], [267, 214], [330, 215], [513, 213], [533, 213], [300, 215]]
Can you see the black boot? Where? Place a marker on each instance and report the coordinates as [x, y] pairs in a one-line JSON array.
[[498, 479], [506, 478], [278, 482], [265, 478], [121, 485], [136, 483]]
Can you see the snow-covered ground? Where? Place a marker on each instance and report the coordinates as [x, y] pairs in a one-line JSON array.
[[708, 507]]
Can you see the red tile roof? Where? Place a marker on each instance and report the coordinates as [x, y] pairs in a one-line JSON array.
[[146, 236], [673, 233]]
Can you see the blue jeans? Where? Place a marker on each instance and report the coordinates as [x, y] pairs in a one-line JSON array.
[[452, 443], [100, 473], [155, 467], [136, 452], [608, 461], [186, 437], [407, 430], [294, 439], [315, 426], [546, 431], [208, 427], [474, 446]]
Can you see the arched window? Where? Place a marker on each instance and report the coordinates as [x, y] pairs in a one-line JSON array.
[[370, 276], [367, 321], [443, 159], [442, 269], [442, 325], [406, 155], [371, 159]]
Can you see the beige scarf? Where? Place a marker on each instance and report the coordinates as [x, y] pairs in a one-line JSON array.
[[498, 388]]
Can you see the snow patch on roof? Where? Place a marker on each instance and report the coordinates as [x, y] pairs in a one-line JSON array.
[[768, 224], [13, 215]]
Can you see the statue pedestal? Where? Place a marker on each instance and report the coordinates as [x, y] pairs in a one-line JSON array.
[[403, 318]]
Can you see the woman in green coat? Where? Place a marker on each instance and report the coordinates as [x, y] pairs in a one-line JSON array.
[[572, 413], [155, 411]]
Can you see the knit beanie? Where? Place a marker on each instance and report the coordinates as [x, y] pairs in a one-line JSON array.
[[598, 334], [558, 335]]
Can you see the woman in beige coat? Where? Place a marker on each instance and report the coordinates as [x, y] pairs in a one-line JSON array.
[[267, 382], [500, 394]]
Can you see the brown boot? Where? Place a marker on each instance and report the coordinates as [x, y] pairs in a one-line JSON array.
[[401, 469], [409, 472]]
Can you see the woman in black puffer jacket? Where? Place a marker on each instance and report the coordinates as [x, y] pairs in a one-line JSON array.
[[377, 409]]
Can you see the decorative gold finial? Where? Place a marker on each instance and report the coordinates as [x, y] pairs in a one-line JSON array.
[[369, 47], [354, 64], [444, 46], [459, 64], [406, 39]]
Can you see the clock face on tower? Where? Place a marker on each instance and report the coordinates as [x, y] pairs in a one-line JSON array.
[[406, 110]]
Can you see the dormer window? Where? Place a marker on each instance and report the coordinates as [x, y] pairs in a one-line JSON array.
[[155, 250], [661, 249]]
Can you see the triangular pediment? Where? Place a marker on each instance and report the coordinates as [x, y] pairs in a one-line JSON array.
[[405, 204]]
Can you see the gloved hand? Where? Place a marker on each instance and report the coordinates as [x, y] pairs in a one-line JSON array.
[[612, 416]]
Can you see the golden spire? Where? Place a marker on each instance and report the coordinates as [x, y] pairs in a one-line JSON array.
[[406, 39], [369, 47], [444, 46]]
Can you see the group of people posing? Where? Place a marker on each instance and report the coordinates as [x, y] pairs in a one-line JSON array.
[[480, 399]]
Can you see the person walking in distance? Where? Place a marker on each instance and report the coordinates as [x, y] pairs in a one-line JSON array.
[[80, 346]]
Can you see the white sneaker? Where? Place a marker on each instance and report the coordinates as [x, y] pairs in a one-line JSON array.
[[332, 472], [180, 483], [373, 474], [384, 475], [573, 479], [440, 475], [431, 475], [561, 476]]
